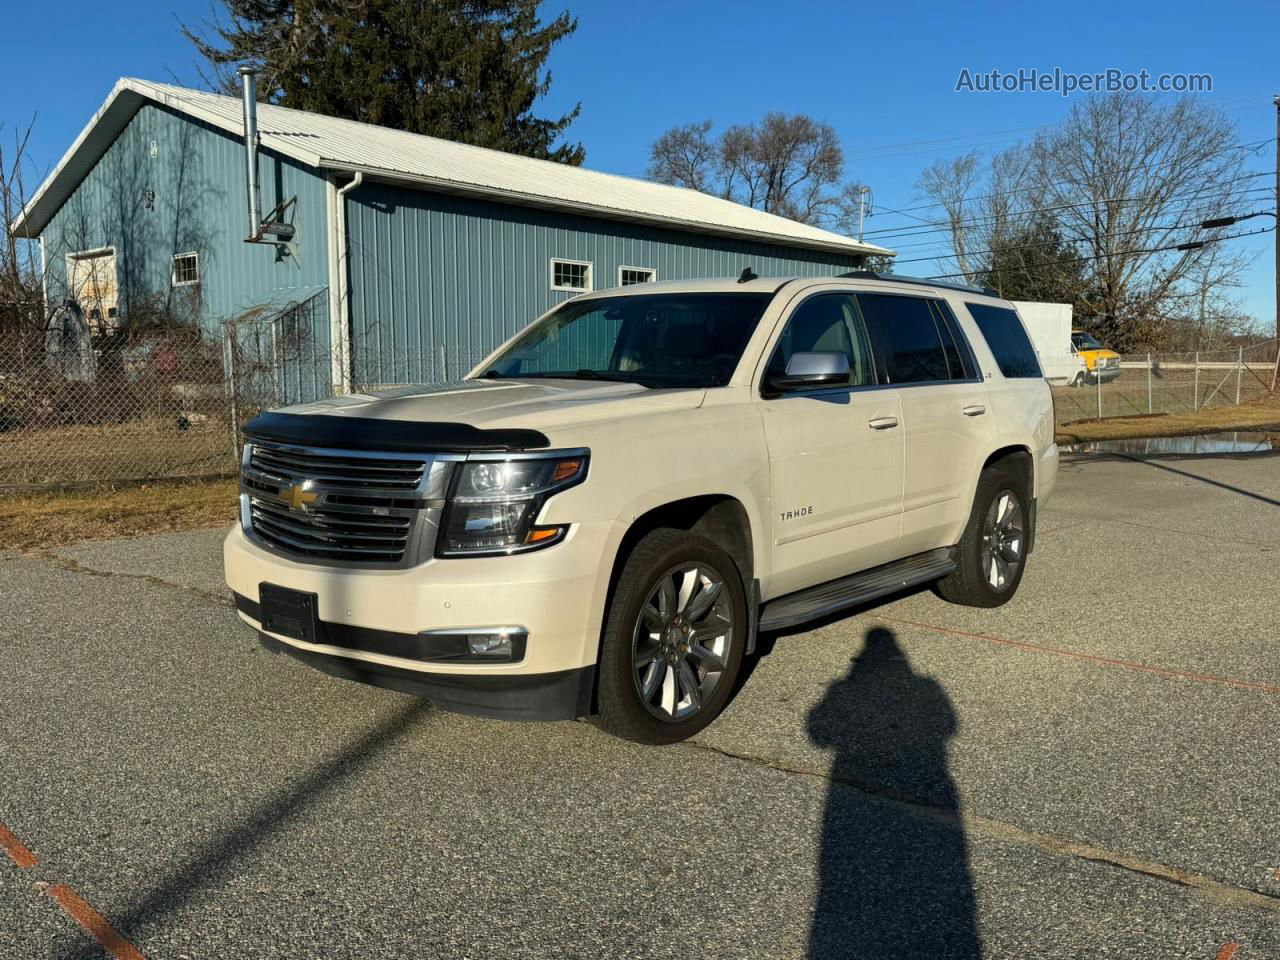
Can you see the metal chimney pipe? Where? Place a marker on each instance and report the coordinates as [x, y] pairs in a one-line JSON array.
[[249, 77]]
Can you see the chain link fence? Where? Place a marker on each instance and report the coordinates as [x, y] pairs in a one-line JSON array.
[[78, 409], [127, 410], [1155, 383]]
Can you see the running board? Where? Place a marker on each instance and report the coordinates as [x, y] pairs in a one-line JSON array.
[[814, 602]]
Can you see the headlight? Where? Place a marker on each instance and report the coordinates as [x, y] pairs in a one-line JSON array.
[[493, 503]]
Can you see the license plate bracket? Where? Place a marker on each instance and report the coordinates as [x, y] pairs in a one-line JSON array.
[[290, 613]]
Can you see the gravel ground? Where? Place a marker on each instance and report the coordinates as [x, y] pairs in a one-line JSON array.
[[1087, 772]]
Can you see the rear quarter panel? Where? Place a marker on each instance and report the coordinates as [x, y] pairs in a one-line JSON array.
[[1022, 408]]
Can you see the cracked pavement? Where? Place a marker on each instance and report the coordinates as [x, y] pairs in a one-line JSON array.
[[1089, 771]]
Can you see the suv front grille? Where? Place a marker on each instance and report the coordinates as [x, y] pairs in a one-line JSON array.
[[341, 507], [330, 534], [338, 467]]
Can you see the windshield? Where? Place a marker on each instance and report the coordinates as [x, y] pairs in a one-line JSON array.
[[1085, 342], [658, 340]]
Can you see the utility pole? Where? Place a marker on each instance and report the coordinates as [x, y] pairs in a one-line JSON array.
[[864, 192], [1276, 236]]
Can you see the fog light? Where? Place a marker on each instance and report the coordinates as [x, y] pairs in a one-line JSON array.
[[490, 644]]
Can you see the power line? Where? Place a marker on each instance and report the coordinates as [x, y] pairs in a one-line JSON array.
[[1254, 145], [1023, 214], [1154, 228], [1118, 253], [923, 143], [909, 230], [1242, 197], [1226, 105]]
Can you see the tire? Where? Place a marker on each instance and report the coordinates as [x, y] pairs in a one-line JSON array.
[[993, 548], [659, 682]]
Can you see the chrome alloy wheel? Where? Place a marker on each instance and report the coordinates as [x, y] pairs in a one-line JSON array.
[[1003, 541], [681, 642]]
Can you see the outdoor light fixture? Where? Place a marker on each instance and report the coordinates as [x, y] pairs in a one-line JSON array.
[[474, 645], [496, 645]]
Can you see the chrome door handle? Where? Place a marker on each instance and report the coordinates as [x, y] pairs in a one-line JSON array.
[[974, 410], [883, 423]]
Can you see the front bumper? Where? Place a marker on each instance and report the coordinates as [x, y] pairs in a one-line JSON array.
[[371, 621], [1106, 375], [563, 695]]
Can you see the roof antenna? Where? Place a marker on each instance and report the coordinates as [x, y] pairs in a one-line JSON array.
[[748, 275]]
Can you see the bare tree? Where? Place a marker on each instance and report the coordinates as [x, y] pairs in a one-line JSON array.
[[20, 299], [1129, 178], [685, 157], [1092, 208], [791, 165], [949, 184]]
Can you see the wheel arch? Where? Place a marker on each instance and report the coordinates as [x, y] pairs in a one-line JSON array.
[[1015, 459], [720, 517], [717, 516]]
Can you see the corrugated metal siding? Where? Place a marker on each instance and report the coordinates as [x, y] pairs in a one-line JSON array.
[[431, 271], [170, 184]]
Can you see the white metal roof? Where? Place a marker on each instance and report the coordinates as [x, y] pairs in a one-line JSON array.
[[380, 152]]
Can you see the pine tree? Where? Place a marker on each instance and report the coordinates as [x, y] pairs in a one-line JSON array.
[[1034, 262], [465, 70]]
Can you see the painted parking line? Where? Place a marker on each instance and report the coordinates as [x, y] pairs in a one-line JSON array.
[[16, 849], [75, 906], [1092, 657], [94, 923]]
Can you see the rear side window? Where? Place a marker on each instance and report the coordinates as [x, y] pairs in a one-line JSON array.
[[909, 345], [1008, 340], [959, 356]]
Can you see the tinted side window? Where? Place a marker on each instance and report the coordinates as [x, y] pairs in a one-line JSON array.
[[908, 343], [827, 323], [1008, 340], [959, 360]]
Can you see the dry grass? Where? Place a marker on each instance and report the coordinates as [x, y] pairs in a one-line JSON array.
[[40, 521], [1262, 414], [114, 452]]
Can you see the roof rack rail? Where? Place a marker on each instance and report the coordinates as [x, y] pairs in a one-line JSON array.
[[898, 278]]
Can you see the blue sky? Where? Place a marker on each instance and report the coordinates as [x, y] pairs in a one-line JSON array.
[[883, 75]]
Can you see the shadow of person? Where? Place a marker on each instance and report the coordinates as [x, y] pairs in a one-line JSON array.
[[893, 878]]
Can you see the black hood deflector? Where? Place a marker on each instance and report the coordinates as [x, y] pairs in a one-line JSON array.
[[398, 436]]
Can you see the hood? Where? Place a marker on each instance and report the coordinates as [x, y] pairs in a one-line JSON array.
[[487, 404]]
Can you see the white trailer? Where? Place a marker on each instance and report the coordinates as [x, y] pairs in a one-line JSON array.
[[1049, 325]]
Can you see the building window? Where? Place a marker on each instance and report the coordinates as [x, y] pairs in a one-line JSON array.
[[629, 275], [186, 269], [572, 275]]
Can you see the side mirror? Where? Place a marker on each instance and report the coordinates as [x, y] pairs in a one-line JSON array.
[[813, 370]]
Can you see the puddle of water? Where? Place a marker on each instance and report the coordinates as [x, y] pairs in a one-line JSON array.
[[1240, 442]]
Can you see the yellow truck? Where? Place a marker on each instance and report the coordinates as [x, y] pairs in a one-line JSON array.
[[1099, 362]]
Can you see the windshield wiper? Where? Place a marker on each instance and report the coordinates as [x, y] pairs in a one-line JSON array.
[[585, 374]]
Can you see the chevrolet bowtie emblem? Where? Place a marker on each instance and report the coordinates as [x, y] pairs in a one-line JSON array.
[[298, 496]]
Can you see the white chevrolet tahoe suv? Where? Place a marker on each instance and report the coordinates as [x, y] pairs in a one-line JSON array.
[[602, 518]]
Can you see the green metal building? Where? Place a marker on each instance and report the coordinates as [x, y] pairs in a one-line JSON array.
[[380, 256]]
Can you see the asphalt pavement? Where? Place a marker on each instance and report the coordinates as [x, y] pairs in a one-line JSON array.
[[1089, 771]]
